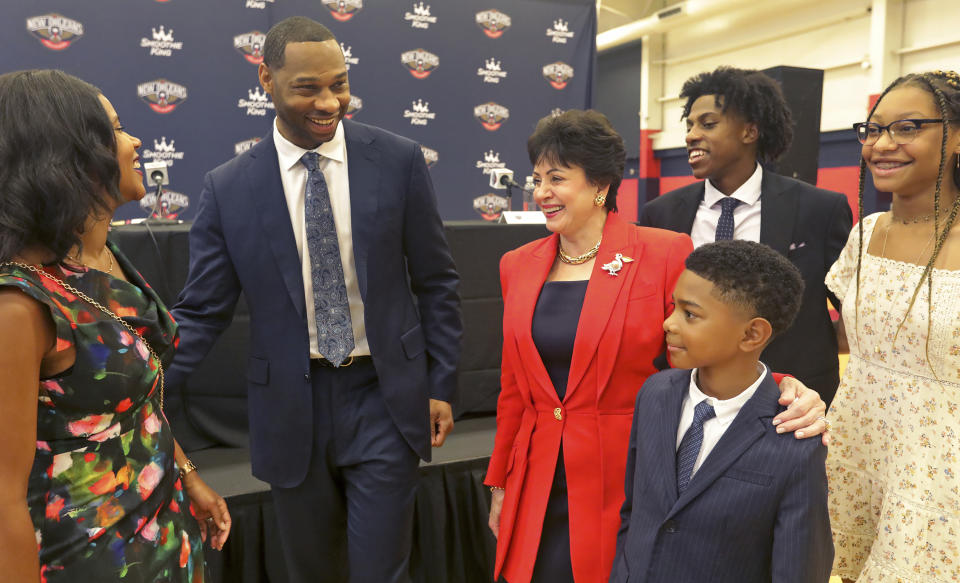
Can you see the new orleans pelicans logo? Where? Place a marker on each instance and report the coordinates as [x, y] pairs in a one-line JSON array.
[[171, 204], [356, 104], [343, 10], [161, 95], [430, 156], [420, 63], [557, 74], [241, 147], [490, 206], [493, 22], [250, 45], [54, 31], [491, 115]]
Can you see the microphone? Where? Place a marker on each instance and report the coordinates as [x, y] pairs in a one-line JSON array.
[[159, 176], [503, 178]]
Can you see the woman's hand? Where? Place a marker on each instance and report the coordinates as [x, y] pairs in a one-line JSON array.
[[806, 411], [209, 509], [496, 505]]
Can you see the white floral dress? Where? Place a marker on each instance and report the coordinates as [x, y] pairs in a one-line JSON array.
[[895, 456]]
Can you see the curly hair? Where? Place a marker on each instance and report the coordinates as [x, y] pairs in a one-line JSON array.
[[296, 29], [585, 139], [756, 97], [57, 157], [752, 276]]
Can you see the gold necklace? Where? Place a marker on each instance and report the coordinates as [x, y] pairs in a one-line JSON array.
[[577, 260], [911, 221], [106, 250]]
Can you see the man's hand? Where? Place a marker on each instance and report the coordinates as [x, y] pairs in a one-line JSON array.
[[805, 414], [441, 421]]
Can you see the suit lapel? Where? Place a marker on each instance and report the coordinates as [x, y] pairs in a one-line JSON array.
[[669, 423], [363, 169], [778, 211], [749, 425], [686, 210], [266, 190]]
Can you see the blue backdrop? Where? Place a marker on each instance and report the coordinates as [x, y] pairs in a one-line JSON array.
[[468, 79]]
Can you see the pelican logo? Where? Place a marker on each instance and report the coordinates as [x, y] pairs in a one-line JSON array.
[[241, 147], [420, 63], [419, 114], [490, 206], [560, 33], [250, 45], [258, 4], [163, 151], [493, 22], [356, 104], [430, 156], [343, 10], [491, 115], [54, 31], [490, 161], [257, 102], [161, 95], [420, 17], [171, 204], [491, 71], [557, 74], [348, 58], [161, 43]]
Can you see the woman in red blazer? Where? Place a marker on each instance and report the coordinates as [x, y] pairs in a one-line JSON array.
[[569, 381]]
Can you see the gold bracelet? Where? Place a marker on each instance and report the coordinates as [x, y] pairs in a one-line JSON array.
[[495, 488], [186, 469]]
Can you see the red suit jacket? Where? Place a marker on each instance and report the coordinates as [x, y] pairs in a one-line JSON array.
[[618, 336]]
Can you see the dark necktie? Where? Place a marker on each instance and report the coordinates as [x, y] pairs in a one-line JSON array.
[[330, 303], [725, 224], [690, 444]]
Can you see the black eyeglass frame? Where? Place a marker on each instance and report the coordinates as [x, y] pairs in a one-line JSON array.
[[919, 122]]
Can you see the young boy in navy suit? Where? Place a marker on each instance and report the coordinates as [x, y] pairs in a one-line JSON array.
[[713, 492]]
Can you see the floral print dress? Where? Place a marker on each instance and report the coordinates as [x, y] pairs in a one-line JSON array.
[[104, 493], [895, 457]]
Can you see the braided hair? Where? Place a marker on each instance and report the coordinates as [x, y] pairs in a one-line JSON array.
[[944, 86]]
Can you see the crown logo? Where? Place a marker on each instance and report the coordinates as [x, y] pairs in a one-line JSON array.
[[492, 64], [560, 25], [420, 10], [160, 35], [491, 157], [420, 107], [256, 95], [347, 51], [163, 146]]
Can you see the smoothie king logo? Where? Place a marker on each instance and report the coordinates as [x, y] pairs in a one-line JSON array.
[[490, 206], [241, 147], [343, 10], [258, 4], [348, 58], [54, 31], [161, 43], [491, 115], [257, 102], [430, 156], [490, 161], [250, 45], [560, 33], [557, 74], [420, 17], [171, 204], [419, 114], [491, 71], [161, 95], [162, 152], [356, 104], [419, 62], [493, 22]]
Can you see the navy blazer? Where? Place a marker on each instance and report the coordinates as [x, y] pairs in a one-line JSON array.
[[242, 240], [756, 510], [807, 225]]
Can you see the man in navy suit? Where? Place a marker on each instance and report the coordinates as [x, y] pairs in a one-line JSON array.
[[330, 229], [713, 492], [736, 119]]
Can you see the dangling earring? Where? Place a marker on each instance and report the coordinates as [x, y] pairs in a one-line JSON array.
[[958, 161], [600, 200]]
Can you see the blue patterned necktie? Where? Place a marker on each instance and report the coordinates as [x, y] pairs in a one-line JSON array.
[[690, 444], [330, 303], [725, 224]]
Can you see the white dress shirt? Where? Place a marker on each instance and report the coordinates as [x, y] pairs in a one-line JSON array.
[[746, 217], [726, 411], [293, 175]]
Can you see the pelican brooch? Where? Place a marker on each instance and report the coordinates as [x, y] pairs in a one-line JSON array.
[[617, 264]]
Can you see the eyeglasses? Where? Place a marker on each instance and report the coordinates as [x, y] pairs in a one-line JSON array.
[[902, 131]]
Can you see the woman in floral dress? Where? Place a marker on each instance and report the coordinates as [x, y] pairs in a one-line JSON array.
[[95, 486], [893, 464]]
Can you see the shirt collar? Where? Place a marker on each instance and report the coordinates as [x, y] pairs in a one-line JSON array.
[[748, 193], [289, 153], [726, 410]]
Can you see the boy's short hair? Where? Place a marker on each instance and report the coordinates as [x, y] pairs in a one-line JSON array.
[[757, 97], [754, 277]]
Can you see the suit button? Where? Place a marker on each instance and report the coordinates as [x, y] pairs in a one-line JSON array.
[[670, 526], [558, 414], [306, 377]]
